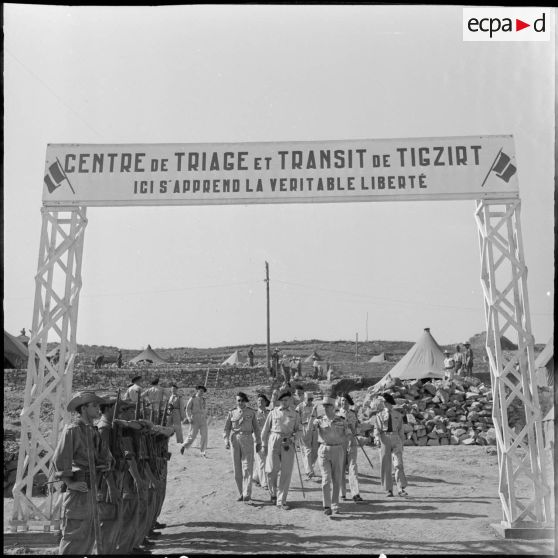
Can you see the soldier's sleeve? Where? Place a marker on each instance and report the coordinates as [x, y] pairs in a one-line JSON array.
[[266, 428], [64, 453], [256, 428], [228, 426]]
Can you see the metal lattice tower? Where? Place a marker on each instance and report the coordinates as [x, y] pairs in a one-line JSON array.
[[513, 378], [49, 386]]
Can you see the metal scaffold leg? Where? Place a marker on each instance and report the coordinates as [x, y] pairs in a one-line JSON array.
[[523, 487], [48, 386]]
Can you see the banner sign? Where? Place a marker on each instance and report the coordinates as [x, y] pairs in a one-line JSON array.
[[472, 167]]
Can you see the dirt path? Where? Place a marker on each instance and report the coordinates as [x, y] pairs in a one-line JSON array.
[[452, 502]]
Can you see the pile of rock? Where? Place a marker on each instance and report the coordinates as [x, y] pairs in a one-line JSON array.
[[440, 412]]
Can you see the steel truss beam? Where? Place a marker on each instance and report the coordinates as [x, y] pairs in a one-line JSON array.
[[49, 385], [514, 384]]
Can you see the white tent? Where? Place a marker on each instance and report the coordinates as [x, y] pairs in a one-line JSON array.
[[149, 355], [379, 358], [233, 360], [425, 359]]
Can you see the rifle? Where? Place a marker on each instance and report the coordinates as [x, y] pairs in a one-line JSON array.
[[159, 415], [93, 480], [115, 410], [164, 419], [138, 403]]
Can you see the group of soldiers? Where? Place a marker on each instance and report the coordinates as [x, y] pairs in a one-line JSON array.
[[263, 444], [113, 474], [460, 363]]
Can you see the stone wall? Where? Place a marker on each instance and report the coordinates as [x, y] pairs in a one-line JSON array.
[[111, 379]]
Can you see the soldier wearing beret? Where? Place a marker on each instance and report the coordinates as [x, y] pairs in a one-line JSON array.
[[241, 432], [280, 428], [78, 457]]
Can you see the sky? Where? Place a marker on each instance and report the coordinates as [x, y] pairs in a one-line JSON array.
[[193, 276]]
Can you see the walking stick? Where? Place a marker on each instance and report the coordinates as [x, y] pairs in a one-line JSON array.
[[299, 475], [363, 451]]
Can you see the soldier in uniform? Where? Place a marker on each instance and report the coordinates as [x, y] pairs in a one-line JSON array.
[[280, 428], [308, 439], [389, 435], [176, 411], [133, 393], [332, 431], [156, 396], [196, 413], [351, 449], [78, 456], [260, 476], [241, 432]]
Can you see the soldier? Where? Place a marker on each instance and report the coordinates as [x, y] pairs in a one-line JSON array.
[[468, 359], [108, 494], [260, 476], [449, 366], [196, 413], [251, 356], [332, 430], [309, 438], [241, 432], [155, 395], [389, 435], [133, 393], [176, 411], [350, 449], [280, 428], [458, 359], [78, 456], [298, 395]]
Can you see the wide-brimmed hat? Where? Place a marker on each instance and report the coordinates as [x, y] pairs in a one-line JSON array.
[[202, 387], [83, 397], [135, 379], [284, 393], [264, 396], [328, 400]]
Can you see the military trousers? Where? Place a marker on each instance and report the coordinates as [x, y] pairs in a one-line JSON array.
[[197, 426], [259, 474], [330, 459], [350, 462], [392, 451], [309, 450], [78, 534], [279, 466], [242, 453], [177, 426]]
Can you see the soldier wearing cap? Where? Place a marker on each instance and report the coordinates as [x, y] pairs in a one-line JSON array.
[[332, 430], [280, 428], [176, 411], [78, 457], [449, 365], [241, 432], [133, 393], [309, 438], [262, 410], [389, 434], [196, 413], [351, 449]]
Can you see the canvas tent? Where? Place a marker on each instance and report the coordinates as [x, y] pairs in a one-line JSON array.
[[16, 353], [425, 359], [379, 358], [148, 355], [544, 365], [233, 360]]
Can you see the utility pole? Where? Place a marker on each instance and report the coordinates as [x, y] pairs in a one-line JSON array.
[[367, 327], [357, 347], [268, 355]]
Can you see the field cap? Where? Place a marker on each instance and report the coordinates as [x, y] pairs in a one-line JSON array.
[[264, 396], [283, 394], [136, 378], [242, 395], [348, 398], [83, 397]]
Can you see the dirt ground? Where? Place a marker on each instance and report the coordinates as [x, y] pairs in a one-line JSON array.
[[452, 502]]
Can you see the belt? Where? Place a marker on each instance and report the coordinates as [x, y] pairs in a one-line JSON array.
[[242, 432], [330, 445]]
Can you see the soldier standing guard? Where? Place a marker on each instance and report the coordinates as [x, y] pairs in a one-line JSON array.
[[350, 450], [260, 476], [280, 428], [332, 432], [77, 457], [241, 431]]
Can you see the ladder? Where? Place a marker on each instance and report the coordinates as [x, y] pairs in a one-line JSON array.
[[211, 378]]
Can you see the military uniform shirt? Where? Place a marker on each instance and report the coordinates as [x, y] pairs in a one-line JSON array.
[[281, 421], [333, 431], [242, 421], [382, 422]]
